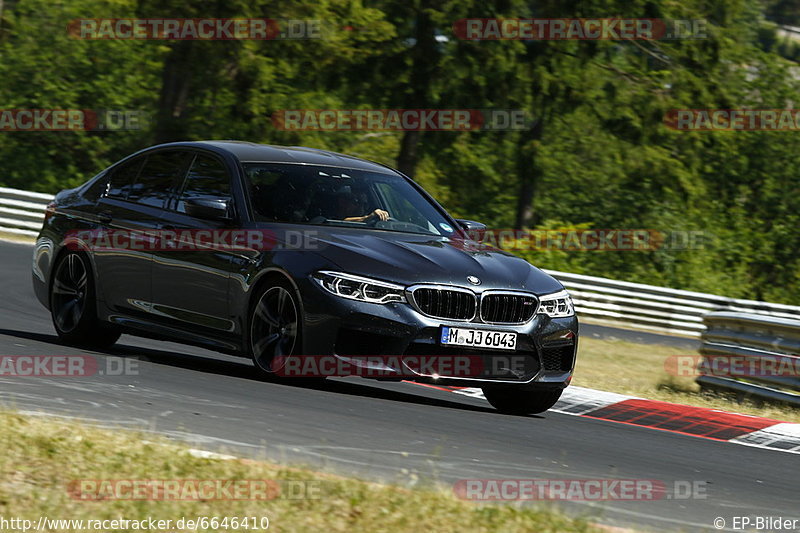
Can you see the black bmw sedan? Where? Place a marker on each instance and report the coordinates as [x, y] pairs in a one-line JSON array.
[[312, 263]]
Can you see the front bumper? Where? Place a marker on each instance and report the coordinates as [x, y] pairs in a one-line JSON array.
[[335, 326]]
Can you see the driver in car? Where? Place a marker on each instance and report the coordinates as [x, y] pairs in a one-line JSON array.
[[346, 202]]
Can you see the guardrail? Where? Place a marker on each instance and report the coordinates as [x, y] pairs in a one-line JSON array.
[[655, 308], [786, 30], [752, 355], [601, 300], [22, 212]]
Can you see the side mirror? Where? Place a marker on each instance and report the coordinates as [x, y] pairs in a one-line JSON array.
[[474, 230], [207, 208]]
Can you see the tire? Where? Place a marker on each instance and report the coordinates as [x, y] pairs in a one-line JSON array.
[[522, 402], [274, 328], [73, 304]]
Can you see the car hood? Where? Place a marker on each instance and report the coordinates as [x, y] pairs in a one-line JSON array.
[[408, 259]]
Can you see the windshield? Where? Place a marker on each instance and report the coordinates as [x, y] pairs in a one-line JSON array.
[[305, 194]]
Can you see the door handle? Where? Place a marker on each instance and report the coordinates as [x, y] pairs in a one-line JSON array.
[[104, 217]]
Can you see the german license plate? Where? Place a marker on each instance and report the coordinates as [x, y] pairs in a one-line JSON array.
[[479, 338]]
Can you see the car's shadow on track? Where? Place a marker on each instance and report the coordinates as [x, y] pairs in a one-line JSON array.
[[243, 369]]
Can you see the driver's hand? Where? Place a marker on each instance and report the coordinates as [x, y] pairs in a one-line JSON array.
[[380, 214]]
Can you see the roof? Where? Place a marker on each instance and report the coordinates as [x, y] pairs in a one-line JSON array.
[[252, 152]]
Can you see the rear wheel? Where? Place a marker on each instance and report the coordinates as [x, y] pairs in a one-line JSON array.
[[73, 306], [274, 331], [522, 402]]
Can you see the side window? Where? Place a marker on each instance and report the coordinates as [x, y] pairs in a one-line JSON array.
[[123, 177], [158, 177], [97, 189], [206, 179]]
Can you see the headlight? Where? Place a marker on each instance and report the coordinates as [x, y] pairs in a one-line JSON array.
[[358, 288], [556, 305]]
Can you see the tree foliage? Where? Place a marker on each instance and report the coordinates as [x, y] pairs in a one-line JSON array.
[[595, 152]]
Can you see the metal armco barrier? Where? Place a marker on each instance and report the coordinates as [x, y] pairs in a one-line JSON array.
[[764, 354], [600, 300], [655, 308], [22, 212]]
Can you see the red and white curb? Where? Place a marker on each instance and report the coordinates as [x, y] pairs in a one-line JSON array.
[[695, 421]]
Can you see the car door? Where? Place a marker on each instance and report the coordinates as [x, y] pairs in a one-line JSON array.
[[129, 213], [190, 274]]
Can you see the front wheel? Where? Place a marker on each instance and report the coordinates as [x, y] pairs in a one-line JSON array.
[[522, 402], [274, 331], [73, 306]]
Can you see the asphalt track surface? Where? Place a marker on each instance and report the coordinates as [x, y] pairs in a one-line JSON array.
[[395, 432]]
